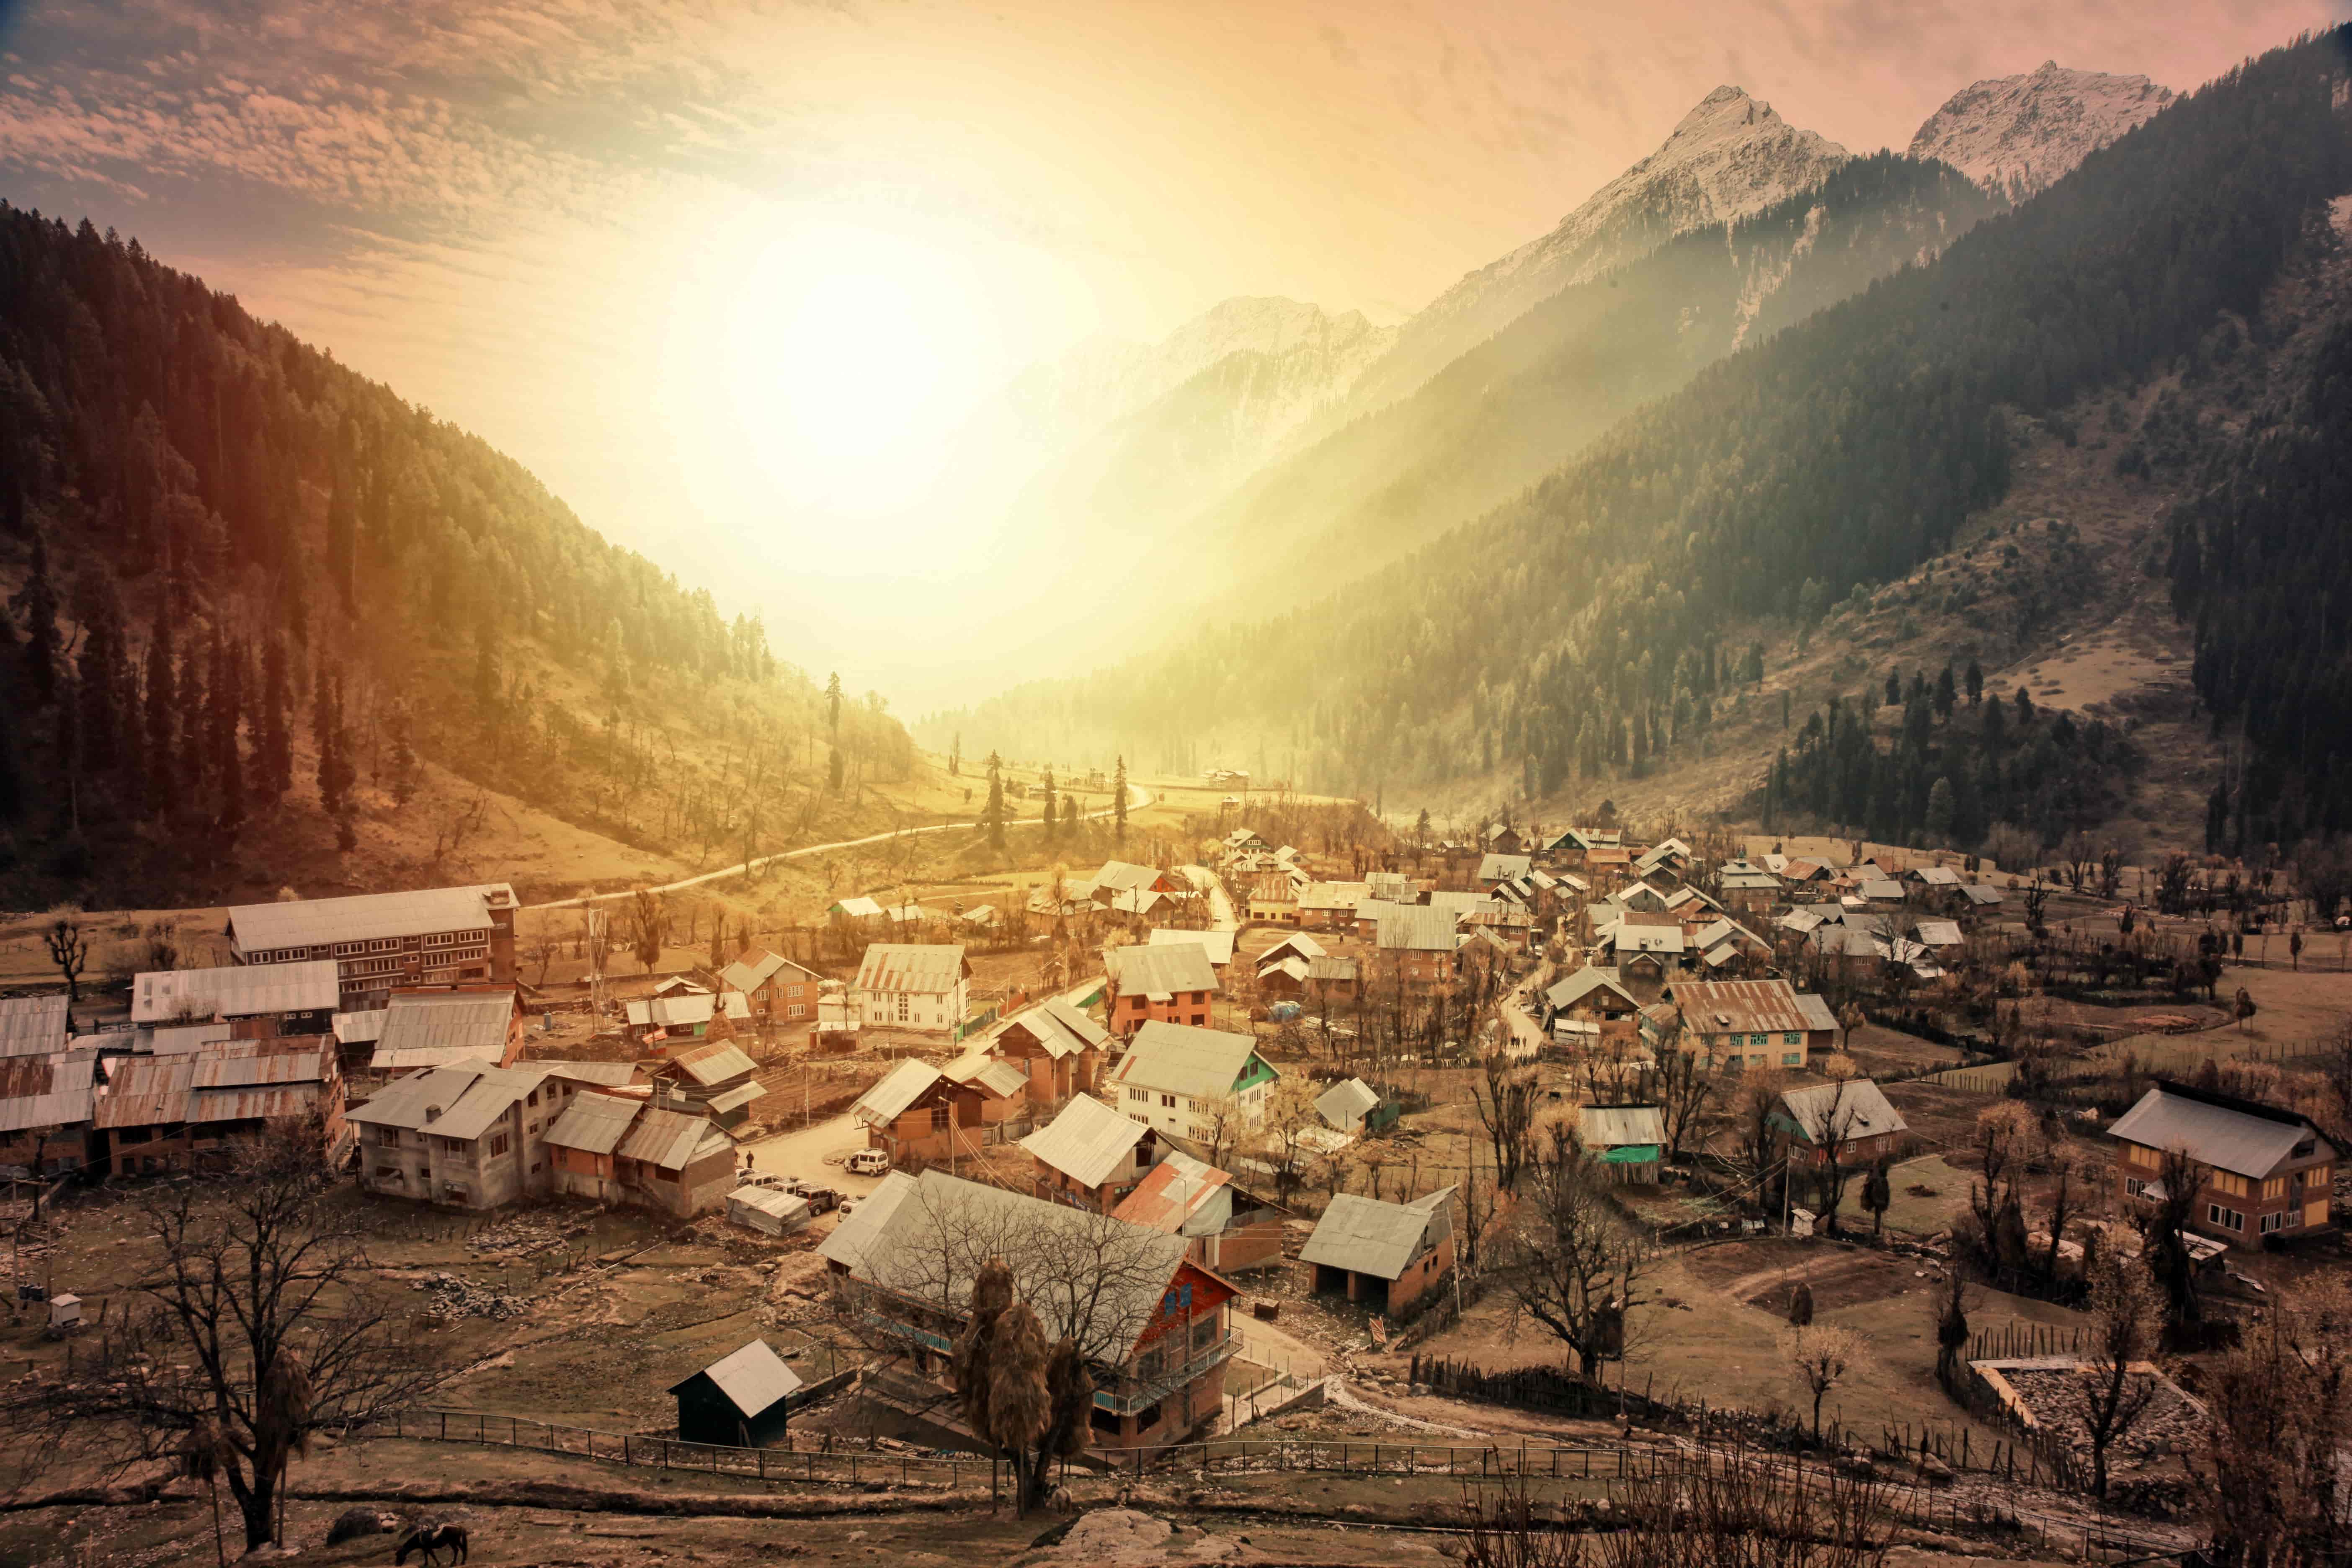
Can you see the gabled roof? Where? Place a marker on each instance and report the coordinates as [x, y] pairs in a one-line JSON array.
[[714, 1061], [858, 908], [311, 922], [1741, 1006], [1160, 972], [917, 967], [1088, 1142], [45, 1092], [755, 970], [1127, 875], [1334, 895], [594, 1123], [899, 1089], [1332, 967], [1345, 1103], [235, 990], [1861, 1111], [1418, 928], [361, 1028], [686, 1010], [754, 1379], [1298, 944], [1620, 1126], [231, 1081], [1059, 1028], [610, 1075], [855, 1236], [1583, 983], [2244, 1137], [1217, 944], [977, 1070], [1365, 1235], [1941, 933], [1935, 875], [469, 1021], [1504, 868], [1179, 1188], [1883, 890], [1633, 935], [32, 1025], [1290, 965], [1177, 1059], [668, 1139], [1982, 894]]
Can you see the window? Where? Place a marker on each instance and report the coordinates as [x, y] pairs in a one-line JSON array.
[[499, 1144], [531, 1098], [2228, 1219], [2274, 1189], [2235, 1185], [1167, 1102], [1793, 1060], [1792, 1039], [2142, 1155], [1144, 1095], [2272, 1222], [2134, 1188], [902, 1006]]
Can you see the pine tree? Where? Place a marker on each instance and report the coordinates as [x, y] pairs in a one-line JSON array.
[[1942, 813], [401, 775], [229, 760], [832, 704], [38, 599], [991, 817], [1947, 694], [1049, 805], [342, 529], [955, 756], [1975, 682], [273, 772], [162, 773], [100, 679], [833, 770], [1118, 799], [188, 733]]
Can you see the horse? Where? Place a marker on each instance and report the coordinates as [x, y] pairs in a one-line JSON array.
[[432, 1538]]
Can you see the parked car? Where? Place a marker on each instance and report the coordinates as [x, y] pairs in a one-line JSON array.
[[868, 1163], [822, 1200]]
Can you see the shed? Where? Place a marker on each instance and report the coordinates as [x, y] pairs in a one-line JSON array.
[[739, 1399], [1628, 1137], [769, 1210], [1346, 1104]]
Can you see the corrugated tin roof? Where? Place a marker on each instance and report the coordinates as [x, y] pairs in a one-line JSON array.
[[612, 1075], [860, 908], [714, 1061], [1059, 1028], [998, 1077], [235, 990], [1615, 1126], [1295, 968], [1177, 1059], [1086, 1143], [251, 1104], [921, 968], [1941, 933], [1816, 1009], [1178, 1188], [390, 1063], [1218, 944], [1334, 895], [176, 1038], [1861, 1111], [1364, 1235], [361, 1028], [1346, 1104], [310, 923], [1583, 983], [1710, 1006], [2215, 1135], [1126, 874], [900, 1087], [1505, 867], [466, 1020], [855, 1236], [1298, 943], [678, 1011], [1980, 893], [495, 1092], [32, 1025], [1417, 928], [735, 1098], [594, 1123], [45, 1092], [668, 1139], [752, 1378], [1160, 972], [1331, 968]]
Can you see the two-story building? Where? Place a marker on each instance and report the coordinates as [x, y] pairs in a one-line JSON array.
[[1388, 1256], [441, 936], [941, 1113], [441, 1026], [299, 998], [1225, 1229], [1846, 1123], [1415, 947], [1155, 1332], [1733, 1025], [714, 1080], [45, 1108], [468, 1135], [778, 992], [182, 1110], [1587, 1005], [617, 1150], [1181, 1079], [1091, 1155], [2266, 1171], [1056, 1046], [1163, 985], [913, 987]]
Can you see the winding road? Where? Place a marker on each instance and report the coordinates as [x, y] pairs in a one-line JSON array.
[[1138, 798]]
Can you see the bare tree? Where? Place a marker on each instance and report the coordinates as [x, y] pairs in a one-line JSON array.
[[69, 951], [1503, 1097], [1570, 1261], [2070, 1195], [2164, 1239], [1951, 1302], [648, 927], [1821, 1354], [2270, 1480], [261, 1324], [1684, 1090], [2127, 1323], [1284, 1134]]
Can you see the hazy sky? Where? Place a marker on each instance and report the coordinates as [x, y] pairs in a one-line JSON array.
[[726, 275]]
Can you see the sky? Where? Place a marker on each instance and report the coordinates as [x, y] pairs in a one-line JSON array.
[[741, 282]]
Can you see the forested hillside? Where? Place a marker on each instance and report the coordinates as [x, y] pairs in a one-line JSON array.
[[1580, 632], [246, 582]]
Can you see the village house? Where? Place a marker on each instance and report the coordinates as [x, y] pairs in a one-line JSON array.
[[34, 1026], [1346, 1106], [1502, 839], [1163, 985], [1733, 1025], [1496, 869], [46, 1106], [1608, 868], [684, 1014], [299, 998], [1330, 906], [775, 991], [925, 989], [941, 1113], [181, 1112], [1156, 1338], [2267, 1172], [1056, 1046], [1647, 950], [1179, 1080], [1416, 947], [442, 936], [442, 1027], [1127, 876], [1091, 1155], [1847, 1121], [1750, 890], [1217, 944], [623, 1150], [1274, 898], [713, 1079], [1330, 979], [1224, 1229], [469, 1135], [1589, 1004], [1388, 1256]]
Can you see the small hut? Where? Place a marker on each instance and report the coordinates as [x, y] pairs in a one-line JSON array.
[[739, 1399]]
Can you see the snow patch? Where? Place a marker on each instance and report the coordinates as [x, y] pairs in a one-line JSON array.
[[2017, 135]]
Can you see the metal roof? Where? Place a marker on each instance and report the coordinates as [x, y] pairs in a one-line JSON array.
[[664, 1137], [1583, 983], [1417, 928], [1178, 1192], [1861, 1111], [678, 1011], [1981, 893], [1616, 1126], [1126, 874], [612, 1075], [1331, 968], [923, 968], [859, 908], [1883, 890], [235, 990], [1711, 1006], [900, 1087], [1334, 895], [1059, 1028], [404, 1101], [856, 1233], [312, 922], [753, 1378], [1086, 1143], [361, 1028], [231, 1081], [1345, 1103], [32, 1025], [1816, 1009], [1294, 967], [735, 1098], [1000, 1078], [172, 1039], [1633, 937], [1941, 933], [1505, 867], [2218, 1135], [594, 1123], [755, 970], [714, 1061], [1298, 943], [45, 1092], [1218, 944], [1937, 876], [1160, 972], [392, 1062], [1365, 1235], [462, 1020], [1178, 1058]]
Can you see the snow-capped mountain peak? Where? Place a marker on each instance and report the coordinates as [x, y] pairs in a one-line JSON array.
[[2019, 134]]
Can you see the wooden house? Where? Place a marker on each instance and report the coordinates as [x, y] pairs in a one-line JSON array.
[[740, 1400], [2267, 1172]]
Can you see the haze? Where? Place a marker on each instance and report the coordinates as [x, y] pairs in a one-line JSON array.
[[741, 283]]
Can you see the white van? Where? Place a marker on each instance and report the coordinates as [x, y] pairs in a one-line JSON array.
[[868, 1163]]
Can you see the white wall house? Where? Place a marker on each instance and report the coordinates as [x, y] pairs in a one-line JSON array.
[[925, 987], [1173, 1076]]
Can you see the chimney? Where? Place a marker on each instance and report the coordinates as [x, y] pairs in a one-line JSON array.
[[432, 1113]]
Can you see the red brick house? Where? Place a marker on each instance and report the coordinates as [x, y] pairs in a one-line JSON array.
[[1167, 985], [1848, 1121], [1090, 1156], [2268, 1171], [1387, 1257]]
